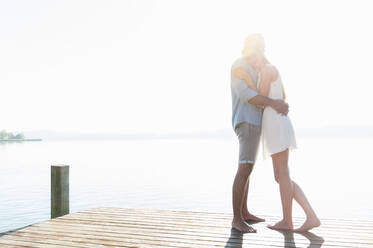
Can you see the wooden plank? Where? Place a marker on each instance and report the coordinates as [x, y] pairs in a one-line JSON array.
[[235, 238], [173, 222], [173, 225], [269, 231], [122, 227], [268, 234], [201, 219], [141, 221], [354, 240], [12, 246], [325, 225], [207, 214], [188, 214], [168, 243], [76, 241], [143, 233]]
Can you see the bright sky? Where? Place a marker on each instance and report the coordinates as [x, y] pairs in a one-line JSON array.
[[164, 66]]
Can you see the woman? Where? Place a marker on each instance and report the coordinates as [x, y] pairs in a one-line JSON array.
[[278, 138]]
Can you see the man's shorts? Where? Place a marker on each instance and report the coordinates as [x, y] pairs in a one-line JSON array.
[[249, 138]]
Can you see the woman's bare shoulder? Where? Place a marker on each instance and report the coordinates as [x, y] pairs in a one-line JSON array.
[[270, 72]]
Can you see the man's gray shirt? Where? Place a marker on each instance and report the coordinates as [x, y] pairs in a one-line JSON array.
[[242, 110]]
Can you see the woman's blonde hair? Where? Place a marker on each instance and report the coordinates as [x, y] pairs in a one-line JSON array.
[[253, 45]]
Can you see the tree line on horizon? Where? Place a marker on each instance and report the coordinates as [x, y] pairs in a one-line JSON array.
[[9, 135]]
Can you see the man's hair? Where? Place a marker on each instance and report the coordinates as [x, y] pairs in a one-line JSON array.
[[253, 44]]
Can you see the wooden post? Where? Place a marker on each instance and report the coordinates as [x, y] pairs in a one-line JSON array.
[[59, 190]]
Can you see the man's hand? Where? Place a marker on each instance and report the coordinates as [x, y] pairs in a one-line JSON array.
[[260, 106], [280, 106]]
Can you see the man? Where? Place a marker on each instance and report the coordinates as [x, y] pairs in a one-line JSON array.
[[247, 108]]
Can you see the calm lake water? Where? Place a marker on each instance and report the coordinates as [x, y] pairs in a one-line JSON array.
[[186, 174]]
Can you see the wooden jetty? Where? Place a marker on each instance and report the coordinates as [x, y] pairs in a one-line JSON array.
[[125, 227]]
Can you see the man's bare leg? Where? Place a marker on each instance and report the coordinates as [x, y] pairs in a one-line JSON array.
[[245, 212], [239, 184]]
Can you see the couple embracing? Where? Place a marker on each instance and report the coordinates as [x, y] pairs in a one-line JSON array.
[[259, 113]]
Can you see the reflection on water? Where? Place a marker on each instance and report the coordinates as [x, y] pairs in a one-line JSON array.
[[291, 239], [191, 174], [315, 241], [235, 239]]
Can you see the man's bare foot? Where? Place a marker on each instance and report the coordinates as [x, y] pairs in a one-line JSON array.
[[250, 217], [281, 225], [309, 224], [241, 226]]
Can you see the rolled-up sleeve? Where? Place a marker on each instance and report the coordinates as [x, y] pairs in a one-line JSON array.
[[242, 90], [239, 86]]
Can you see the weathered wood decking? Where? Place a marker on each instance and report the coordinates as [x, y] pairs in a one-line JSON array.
[[123, 227]]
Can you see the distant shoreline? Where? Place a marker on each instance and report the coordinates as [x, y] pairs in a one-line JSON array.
[[19, 140], [223, 133]]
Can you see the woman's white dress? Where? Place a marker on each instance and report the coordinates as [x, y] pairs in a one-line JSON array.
[[277, 130]]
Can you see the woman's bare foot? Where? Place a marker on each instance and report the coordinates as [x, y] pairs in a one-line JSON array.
[[281, 225], [309, 224], [241, 226], [250, 217]]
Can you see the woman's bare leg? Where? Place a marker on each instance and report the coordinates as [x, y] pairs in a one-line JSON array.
[[312, 220], [281, 169]]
